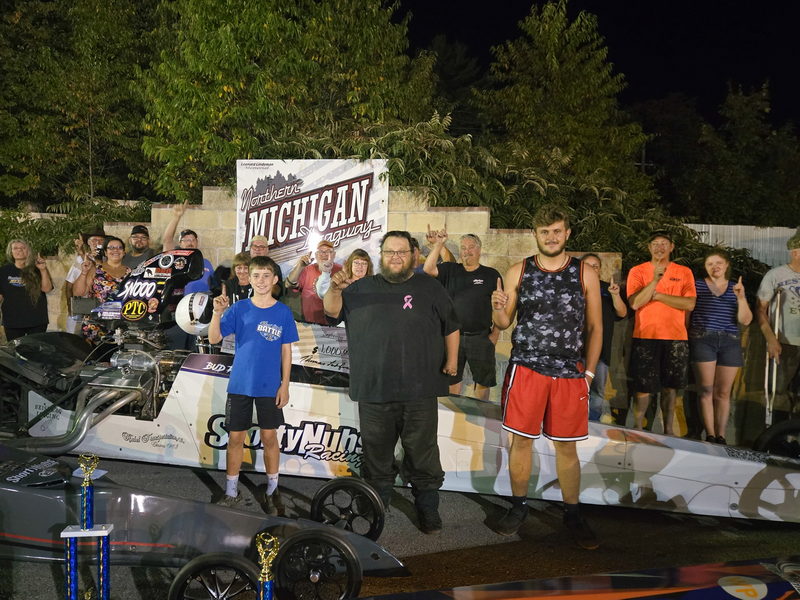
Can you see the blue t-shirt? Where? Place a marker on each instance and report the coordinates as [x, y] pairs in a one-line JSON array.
[[260, 335], [202, 284]]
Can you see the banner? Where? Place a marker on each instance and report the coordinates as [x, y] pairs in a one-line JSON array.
[[297, 203]]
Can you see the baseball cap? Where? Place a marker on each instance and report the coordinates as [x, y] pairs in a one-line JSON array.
[[140, 230], [325, 243], [660, 233], [793, 243]]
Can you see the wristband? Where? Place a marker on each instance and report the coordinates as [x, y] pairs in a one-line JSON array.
[[587, 372]]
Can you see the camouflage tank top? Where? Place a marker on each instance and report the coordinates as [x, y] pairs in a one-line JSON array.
[[548, 337]]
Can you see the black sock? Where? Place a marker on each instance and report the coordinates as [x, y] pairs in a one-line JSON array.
[[519, 503], [572, 511]]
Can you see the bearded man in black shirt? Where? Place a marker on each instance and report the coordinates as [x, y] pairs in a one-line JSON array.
[[403, 336]]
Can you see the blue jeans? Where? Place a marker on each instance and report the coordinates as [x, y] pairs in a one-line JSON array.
[[597, 397]]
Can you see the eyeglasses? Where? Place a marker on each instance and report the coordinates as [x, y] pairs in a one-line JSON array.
[[114, 248], [400, 253], [259, 246]]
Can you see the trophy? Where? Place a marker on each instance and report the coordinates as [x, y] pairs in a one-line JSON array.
[[87, 530], [88, 463], [267, 546]]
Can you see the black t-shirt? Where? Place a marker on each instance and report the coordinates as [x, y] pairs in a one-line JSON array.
[[395, 335], [236, 291], [18, 310], [609, 317], [471, 292]]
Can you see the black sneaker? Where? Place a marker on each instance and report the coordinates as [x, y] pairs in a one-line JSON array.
[[581, 532], [510, 522], [228, 501], [270, 503], [429, 520]]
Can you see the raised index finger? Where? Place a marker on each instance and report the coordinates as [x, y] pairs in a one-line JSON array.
[[499, 284], [224, 290]]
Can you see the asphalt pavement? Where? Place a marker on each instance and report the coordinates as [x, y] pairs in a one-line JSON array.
[[467, 552]]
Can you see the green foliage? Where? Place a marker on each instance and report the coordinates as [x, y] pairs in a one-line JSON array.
[[68, 122], [48, 235], [747, 172], [245, 79], [553, 98]]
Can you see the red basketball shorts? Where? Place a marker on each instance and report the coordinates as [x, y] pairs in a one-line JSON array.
[[534, 404]]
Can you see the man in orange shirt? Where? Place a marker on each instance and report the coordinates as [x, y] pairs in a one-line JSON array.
[[662, 293]]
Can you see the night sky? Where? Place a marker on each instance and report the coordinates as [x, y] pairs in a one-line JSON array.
[[661, 46]]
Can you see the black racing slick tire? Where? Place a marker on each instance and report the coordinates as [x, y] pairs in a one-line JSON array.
[[219, 576], [781, 439], [351, 504], [315, 564]]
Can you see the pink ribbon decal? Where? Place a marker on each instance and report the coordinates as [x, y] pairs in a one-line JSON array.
[[407, 300]]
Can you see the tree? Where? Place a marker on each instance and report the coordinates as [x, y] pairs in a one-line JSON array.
[[552, 108], [69, 124], [748, 172], [245, 79]]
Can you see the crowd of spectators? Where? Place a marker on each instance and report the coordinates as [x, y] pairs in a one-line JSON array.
[[680, 319]]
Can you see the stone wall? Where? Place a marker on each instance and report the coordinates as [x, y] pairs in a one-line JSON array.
[[215, 223]]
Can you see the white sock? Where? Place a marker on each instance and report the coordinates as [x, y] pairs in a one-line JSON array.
[[272, 483], [232, 485]]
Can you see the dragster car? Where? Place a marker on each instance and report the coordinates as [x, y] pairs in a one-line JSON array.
[[214, 545], [156, 405]]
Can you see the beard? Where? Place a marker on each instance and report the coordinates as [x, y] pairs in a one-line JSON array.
[[550, 253], [405, 273]]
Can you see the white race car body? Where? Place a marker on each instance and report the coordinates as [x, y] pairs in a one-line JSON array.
[[321, 439]]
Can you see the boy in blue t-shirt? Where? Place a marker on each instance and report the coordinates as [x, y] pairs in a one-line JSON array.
[[265, 330]]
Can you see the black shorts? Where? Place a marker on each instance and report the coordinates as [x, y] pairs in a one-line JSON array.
[[478, 351], [239, 412], [657, 364]]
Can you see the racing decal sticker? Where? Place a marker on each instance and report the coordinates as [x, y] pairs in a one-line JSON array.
[[157, 273], [137, 288], [134, 310], [311, 440], [44, 469], [155, 440], [217, 365]]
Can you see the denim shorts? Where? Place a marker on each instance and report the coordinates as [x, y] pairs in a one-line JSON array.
[[713, 345]]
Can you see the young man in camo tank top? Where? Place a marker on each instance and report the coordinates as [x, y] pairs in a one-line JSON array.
[[557, 305]]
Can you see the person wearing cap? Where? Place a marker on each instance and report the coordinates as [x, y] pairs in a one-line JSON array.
[[782, 285], [86, 245], [662, 293], [305, 276], [188, 239], [259, 246], [140, 250]]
